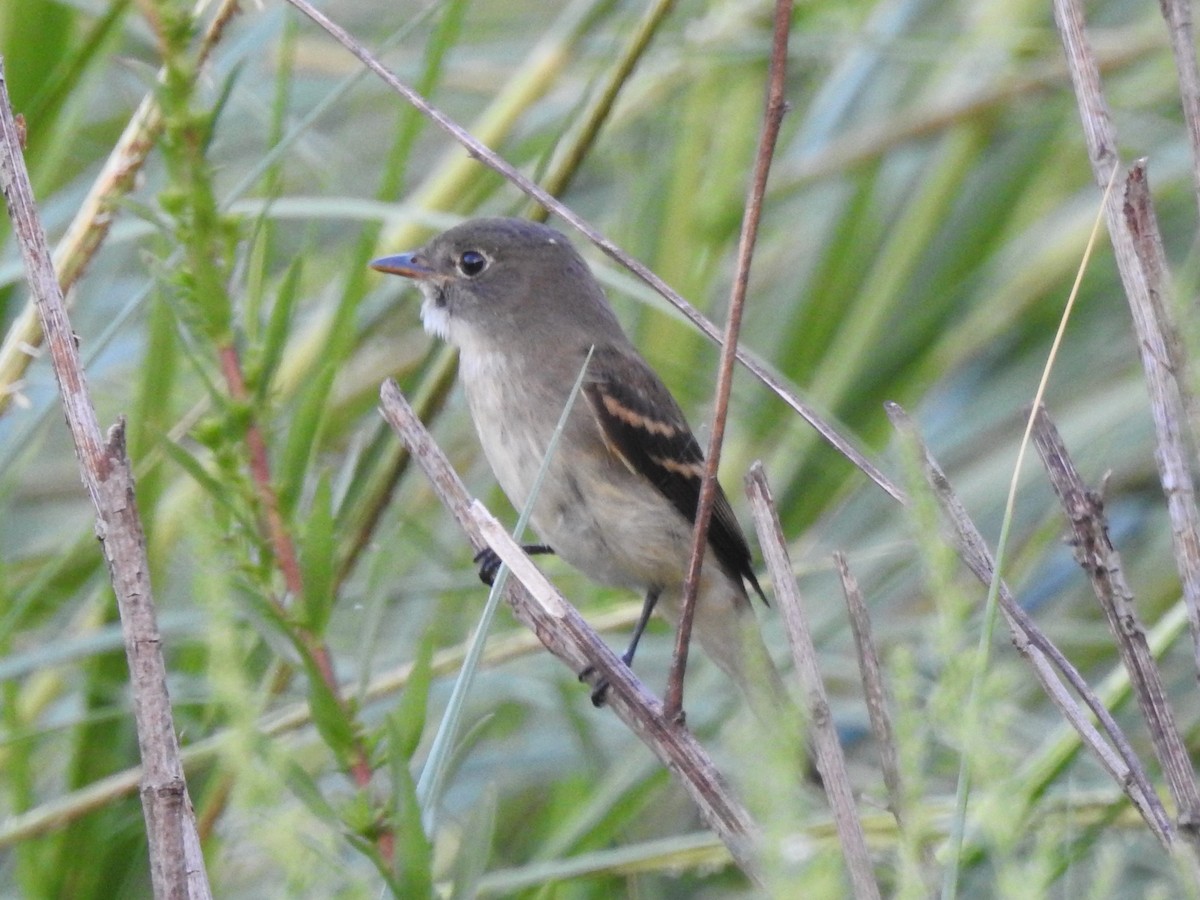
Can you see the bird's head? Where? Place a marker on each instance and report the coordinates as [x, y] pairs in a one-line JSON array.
[[495, 281]]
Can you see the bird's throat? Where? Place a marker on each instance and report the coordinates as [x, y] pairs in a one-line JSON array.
[[434, 314]]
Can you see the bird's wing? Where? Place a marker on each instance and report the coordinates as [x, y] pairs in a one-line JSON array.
[[644, 427]]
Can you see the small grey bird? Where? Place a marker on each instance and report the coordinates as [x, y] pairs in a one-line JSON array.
[[620, 495]]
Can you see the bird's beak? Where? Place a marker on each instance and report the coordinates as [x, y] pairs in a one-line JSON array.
[[410, 265]]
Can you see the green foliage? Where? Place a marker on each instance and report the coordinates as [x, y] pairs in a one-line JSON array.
[[929, 203], [317, 563], [412, 871]]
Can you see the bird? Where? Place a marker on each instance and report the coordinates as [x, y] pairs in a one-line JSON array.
[[620, 495]]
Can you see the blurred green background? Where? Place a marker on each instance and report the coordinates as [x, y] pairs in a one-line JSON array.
[[929, 204]]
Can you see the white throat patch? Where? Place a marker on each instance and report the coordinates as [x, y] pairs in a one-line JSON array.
[[435, 318]]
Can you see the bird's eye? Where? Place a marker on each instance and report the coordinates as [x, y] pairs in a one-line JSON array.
[[471, 263]]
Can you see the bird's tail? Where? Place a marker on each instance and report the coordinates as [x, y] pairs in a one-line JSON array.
[[728, 632]]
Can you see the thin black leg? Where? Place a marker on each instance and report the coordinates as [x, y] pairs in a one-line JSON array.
[[600, 691], [648, 605], [489, 562]]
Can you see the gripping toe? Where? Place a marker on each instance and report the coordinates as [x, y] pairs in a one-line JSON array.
[[489, 565]]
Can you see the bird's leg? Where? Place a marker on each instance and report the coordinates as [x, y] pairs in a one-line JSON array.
[[600, 691], [489, 562], [648, 605]]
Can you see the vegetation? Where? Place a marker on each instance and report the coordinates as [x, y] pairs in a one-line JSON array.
[[929, 205]]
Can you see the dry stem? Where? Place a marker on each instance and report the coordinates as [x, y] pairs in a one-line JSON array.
[[1138, 275], [874, 689], [176, 863], [776, 106], [1102, 564], [1048, 662], [831, 761], [538, 605]]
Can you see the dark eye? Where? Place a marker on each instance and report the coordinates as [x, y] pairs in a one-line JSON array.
[[471, 263]]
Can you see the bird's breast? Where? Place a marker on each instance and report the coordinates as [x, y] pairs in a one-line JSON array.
[[603, 519], [513, 416]]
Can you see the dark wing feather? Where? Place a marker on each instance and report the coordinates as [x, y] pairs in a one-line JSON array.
[[644, 426]]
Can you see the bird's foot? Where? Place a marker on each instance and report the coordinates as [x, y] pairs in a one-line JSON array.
[[599, 687], [489, 565], [489, 562]]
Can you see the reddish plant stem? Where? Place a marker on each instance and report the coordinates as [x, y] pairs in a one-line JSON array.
[[776, 106], [284, 549], [260, 471]]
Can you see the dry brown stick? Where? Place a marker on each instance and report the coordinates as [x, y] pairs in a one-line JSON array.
[[1165, 402], [776, 106], [176, 864], [539, 606], [1142, 222], [876, 695], [874, 689], [496, 163], [831, 761], [1178, 15], [91, 223], [1171, 382], [1048, 662], [1102, 564]]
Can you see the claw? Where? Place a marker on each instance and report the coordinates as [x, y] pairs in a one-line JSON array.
[[489, 561], [599, 689], [489, 565]]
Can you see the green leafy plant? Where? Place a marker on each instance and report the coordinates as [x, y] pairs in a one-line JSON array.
[[928, 207]]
